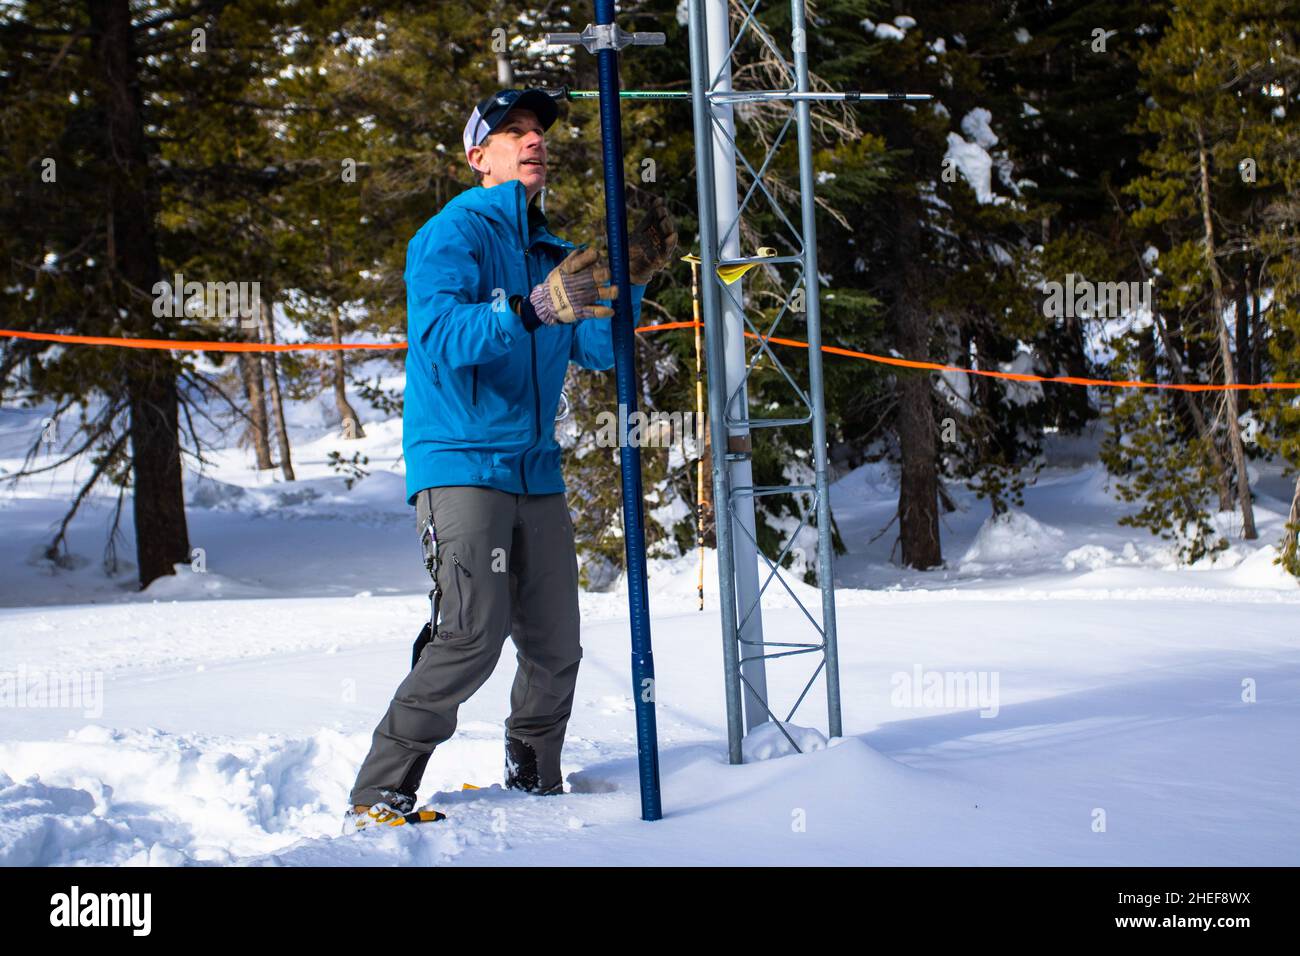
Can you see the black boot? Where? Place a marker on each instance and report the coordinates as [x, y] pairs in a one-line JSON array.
[[521, 769]]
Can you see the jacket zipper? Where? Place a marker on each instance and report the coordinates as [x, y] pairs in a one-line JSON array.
[[537, 399], [474, 395], [537, 395], [528, 270]]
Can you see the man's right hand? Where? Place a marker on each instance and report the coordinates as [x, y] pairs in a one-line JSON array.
[[572, 289]]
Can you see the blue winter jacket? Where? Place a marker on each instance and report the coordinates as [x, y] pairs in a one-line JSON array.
[[482, 391]]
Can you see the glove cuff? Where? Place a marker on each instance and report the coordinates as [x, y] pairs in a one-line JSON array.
[[540, 305], [526, 311]]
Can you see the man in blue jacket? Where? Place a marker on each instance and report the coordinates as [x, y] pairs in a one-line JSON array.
[[497, 307]]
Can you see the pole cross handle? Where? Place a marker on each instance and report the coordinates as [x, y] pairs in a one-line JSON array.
[[605, 36]]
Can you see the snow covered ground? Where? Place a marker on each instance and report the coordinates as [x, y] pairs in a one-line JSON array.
[[1061, 693]]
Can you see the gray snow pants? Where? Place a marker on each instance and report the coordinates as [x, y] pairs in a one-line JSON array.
[[506, 565]]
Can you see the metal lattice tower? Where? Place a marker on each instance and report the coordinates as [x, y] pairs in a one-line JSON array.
[[731, 363], [732, 360]]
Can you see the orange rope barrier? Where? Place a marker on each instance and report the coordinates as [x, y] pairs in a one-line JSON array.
[[661, 327], [172, 345], [1013, 376]]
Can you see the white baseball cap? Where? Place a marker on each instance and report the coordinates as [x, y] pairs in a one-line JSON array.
[[491, 112]]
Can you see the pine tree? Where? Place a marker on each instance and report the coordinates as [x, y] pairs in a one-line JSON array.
[[942, 248], [1203, 114]]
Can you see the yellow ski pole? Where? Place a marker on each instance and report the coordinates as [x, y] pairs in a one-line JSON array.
[[701, 428], [727, 274]]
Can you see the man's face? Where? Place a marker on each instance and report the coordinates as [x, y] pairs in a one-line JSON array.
[[515, 150]]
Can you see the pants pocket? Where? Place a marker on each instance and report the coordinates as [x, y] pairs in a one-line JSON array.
[[458, 584], [463, 585], [473, 524]]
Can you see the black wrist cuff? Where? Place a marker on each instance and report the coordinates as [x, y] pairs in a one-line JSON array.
[[527, 313]]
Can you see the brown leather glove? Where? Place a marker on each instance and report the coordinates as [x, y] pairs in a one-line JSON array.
[[572, 289], [651, 245]]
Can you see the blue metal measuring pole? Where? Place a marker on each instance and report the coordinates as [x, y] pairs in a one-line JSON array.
[[643, 669]]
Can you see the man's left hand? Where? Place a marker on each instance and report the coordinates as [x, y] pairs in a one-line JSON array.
[[651, 244]]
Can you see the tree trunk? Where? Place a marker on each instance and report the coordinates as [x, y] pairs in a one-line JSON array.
[[1225, 348], [1256, 336], [250, 369], [1243, 330], [266, 306], [1220, 466], [158, 497], [351, 421], [1192, 404], [918, 488], [1290, 557], [1072, 399]]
